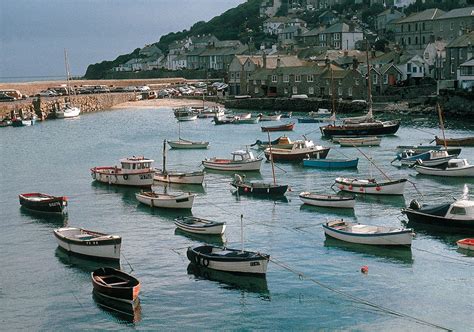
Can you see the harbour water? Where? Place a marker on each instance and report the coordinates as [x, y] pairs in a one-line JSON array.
[[313, 283]]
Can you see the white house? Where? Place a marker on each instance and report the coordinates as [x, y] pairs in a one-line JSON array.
[[465, 75], [412, 66], [274, 25], [434, 56]]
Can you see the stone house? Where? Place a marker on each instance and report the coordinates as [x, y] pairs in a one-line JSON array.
[[412, 66], [340, 36], [310, 38], [274, 25], [179, 62], [192, 58], [382, 23], [219, 58], [288, 36], [454, 23], [383, 77], [458, 52]]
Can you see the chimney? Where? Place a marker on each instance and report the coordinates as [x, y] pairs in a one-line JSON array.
[[278, 62], [264, 60], [355, 63], [392, 10]]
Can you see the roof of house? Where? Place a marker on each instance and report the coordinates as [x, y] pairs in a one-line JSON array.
[[337, 72], [385, 58], [462, 41], [340, 27], [181, 57], [439, 45], [363, 69], [328, 12], [458, 12], [227, 43], [313, 32], [277, 19], [196, 51], [203, 39], [306, 69], [469, 63], [224, 50], [426, 15], [389, 11], [387, 66]]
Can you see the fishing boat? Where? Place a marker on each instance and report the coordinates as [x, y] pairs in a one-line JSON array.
[[5, 122], [282, 142], [115, 284], [258, 188], [284, 127], [88, 243], [211, 112], [186, 144], [241, 161], [462, 141], [429, 158], [454, 168], [454, 216], [375, 128], [225, 120], [270, 117], [243, 116], [371, 186], [368, 234], [300, 150], [331, 163], [332, 201], [68, 111], [166, 201], [134, 171], [466, 244], [251, 120], [43, 202], [164, 175], [185, 114], [200, 226], [24, 122], [359, 141]]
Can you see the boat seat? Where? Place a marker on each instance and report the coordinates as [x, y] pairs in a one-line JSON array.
[[118, 283]]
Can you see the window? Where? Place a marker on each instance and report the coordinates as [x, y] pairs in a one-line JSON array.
[[458, 210], [423, 26], [232, 75], [385, 79], [416, 26], [256, 89], [274, 78], [416, 40], [311, 90], [295, 90], [286, 78], [452, 68], [451, 26], [339, 82], [427, 55], [337, 45], [441, 27], [349, 92], [339, 91], [237, 75], [409, 27], [423, 40], [409, 40], [356, 81], [297, 78], [285, 91], [310, 78], [254, 82], [337, 36], [374, 78], [415, 69], [408, 67]]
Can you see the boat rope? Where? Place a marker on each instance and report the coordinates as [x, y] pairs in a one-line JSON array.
[[370, 160], [131, 268], [414, 186], [357, 299]]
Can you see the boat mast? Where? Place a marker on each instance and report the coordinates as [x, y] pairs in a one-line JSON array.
[[164, 156], [179, 130], [369, 85], [271, 157], [66, 64], [242, 231], [442, 125], [332, 99]]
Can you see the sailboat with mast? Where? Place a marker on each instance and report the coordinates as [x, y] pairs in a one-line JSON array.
[[261, 189], [68, 111], [363, 125], [186, 144], [164, 175]]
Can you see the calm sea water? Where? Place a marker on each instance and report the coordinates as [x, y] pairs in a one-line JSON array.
[[316, 284]]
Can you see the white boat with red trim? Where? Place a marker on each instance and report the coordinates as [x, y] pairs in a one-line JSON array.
[[167, 201], [88, 243], [134, 171], [466, 244], [371, 186]]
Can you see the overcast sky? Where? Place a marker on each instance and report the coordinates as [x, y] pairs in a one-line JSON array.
[[34, 34]]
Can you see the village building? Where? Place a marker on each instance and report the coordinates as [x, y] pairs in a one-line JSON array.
[[384, 21], [465, 75], [458, 52], [340, 36]]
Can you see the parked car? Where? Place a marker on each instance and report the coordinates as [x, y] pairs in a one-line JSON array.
[[47, 93], [5, 97]]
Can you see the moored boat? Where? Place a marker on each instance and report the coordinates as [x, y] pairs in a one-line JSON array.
[[371, 186], [462, 141], [417, 149], [331, 163], [241, 161], [134, 171], [282, 142], [167, 201], [185, 114], [229, 260], [333, 201], [284, 127], [376, 128], [454, 168], [186, 144], [68, 111], [359, 141], [251, 120], [466, 244], [270, 117], [428, 158], [368, 234], [88, 243], [200, 226], [115, 284], [258, 188], [301, 149], [43, 202]]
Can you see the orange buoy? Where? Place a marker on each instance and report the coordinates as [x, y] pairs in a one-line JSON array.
[[364, 269]]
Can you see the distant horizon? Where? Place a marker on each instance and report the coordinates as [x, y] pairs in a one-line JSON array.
[[33, 39]]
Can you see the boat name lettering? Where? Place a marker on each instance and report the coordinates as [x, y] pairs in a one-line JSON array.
[[254, 263], [54, 204], [145, 176]]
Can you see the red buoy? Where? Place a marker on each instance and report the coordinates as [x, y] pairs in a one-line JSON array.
[[364, 269]]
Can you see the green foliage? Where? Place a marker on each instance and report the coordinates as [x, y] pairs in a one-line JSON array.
[[421, 5], [96, 71], [283, 10]]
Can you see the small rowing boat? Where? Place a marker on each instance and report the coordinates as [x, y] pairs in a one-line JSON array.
[[43, 202], [467, 244], [168, 201], [463, 141], [359, 141], [200, 226], [115, 284], [284, 127], [331, 163], [333, 201]]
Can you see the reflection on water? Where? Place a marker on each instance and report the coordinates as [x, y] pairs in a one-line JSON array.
[[173, 187], [254, 284], [466, 252], [217, 240], [239, 197], [83, 263], [54, 219], [444, 234], [250, 175], [396, 255], [327, 211], [127, 193], [121, 311], [396, 201]]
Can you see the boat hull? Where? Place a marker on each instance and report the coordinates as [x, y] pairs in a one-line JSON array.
[[126, 293], [233, 166], [287, 127], [48, 204], [228, 260], [289, 155], [331, 163], [467, 141], [180, 177], [111, 176], [350, 142], [260, 189], [457, 172], [466, 244], [187, 145], [415, 216], [106, 248], [217, 228], [331, 201], [396, 187], [69, 113], [389, 128], [184, 201], [401, 238]]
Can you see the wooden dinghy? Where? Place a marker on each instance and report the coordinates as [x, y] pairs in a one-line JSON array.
[[167, 201], [359, 141], [368, 234], [89, 243], [186, 144], [200, 226], [284, 127], [229, 260], [463, 141], [332, 201], [115, 284], [43, 202]]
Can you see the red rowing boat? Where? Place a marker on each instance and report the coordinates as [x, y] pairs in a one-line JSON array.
[[467, 244], [285, 127]]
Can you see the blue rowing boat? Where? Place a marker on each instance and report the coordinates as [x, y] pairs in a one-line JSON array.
[[331, 163]]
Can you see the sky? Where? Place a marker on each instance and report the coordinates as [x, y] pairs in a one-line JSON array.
[[34, 34]]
